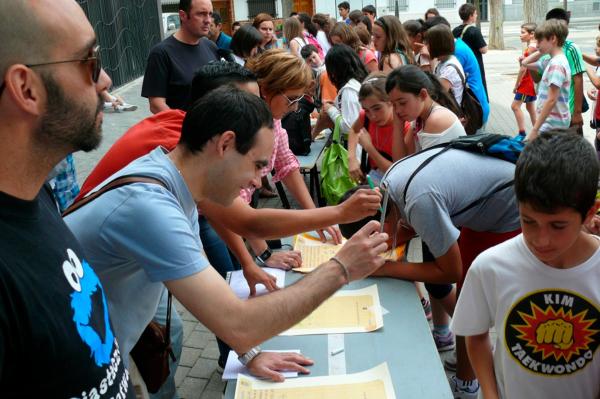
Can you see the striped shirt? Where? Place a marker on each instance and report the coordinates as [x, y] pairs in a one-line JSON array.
[[557, 73]]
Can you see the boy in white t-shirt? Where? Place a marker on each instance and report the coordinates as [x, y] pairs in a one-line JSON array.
[[552, 106], [540, 289]]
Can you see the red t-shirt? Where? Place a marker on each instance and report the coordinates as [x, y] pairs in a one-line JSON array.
[[162, 129], [381, 137], [526, 86]]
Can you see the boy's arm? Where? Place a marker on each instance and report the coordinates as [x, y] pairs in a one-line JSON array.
[[479, 349], [553, 92], [522, 71], [530, 63], [593, 78]]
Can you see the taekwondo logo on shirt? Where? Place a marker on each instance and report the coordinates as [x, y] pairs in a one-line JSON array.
[[553, 332], [90, 310]]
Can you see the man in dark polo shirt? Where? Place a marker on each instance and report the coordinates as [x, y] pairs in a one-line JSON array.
[[172, 62]]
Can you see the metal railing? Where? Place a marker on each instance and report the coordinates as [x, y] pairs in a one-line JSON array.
[[126, 31], [402, 5], [255, 7]]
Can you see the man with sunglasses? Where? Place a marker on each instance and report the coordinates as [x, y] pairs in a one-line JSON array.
[[172, 62], [56, 337]]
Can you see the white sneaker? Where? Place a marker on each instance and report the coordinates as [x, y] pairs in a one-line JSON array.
[[126, 107], [460, 392]]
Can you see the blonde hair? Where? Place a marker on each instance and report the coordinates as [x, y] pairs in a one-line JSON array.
[[277, 70], [292, 29]]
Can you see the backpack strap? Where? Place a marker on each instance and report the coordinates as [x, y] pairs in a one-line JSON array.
[[116, 183], [483, 199], [464, 30], [423, 164], [462, 77]]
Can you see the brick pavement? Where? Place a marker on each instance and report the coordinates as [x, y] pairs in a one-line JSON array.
[[196, 376]]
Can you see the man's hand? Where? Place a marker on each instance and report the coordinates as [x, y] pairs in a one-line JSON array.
[[267, 365], [333, 231], [255, 275], [285, 260], [360, 254], [363, 203]]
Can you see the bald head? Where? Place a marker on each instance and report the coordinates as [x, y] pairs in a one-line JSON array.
[[35, 31]]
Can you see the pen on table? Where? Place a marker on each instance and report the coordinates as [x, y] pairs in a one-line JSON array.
[[370, 181], [337, 352]]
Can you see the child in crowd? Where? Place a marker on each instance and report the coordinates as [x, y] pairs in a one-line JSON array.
[[346, 72], [552, 105], [310, 54], [414, 29], [372, 130], [540, 289], [449, 70], [294, 36], [344, 34], [524, 87], [391, 40], [419, 97], [593, 93]]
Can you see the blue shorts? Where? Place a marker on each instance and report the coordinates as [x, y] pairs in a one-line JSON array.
[[525, 98]]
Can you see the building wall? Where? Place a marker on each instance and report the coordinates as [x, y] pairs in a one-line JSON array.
[[513, 9]]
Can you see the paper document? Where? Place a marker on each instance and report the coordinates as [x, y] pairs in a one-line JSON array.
[[233, 367], [375, 383], [240, 287], [314, 252], [347, 311]]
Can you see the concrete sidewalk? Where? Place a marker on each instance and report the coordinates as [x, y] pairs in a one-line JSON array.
[[196, 376]]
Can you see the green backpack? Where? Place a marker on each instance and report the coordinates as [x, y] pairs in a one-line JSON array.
[[335, 178]]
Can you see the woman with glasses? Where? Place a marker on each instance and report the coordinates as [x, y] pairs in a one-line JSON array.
[[391, 40], [283, 79]]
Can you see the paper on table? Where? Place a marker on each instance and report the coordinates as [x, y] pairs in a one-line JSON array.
[[314, 252], [240, 287], [347, 311], [375, 383], [233, 367]]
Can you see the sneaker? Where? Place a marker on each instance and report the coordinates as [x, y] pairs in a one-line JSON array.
[[126, 107], [426, 308], [450, 362], [461, 392], [444, 343]]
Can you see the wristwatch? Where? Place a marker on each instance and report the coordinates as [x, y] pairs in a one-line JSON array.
[[262, 258], [248, 356]]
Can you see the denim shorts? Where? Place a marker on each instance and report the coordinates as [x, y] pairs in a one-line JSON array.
[[525, 98]]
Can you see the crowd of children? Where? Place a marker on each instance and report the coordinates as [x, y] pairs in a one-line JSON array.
[[505, 245]]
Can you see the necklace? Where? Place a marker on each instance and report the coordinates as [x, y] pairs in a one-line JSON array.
[[422, 121]]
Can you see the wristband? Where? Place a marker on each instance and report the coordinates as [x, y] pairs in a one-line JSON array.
[[262, 258], [248, 356], [344, 268]]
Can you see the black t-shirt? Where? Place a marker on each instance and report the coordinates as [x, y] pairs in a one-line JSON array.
[[171, 68], [474, 39], [56, 340]]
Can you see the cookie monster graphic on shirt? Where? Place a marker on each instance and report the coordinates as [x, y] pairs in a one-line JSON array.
[[90, 310]]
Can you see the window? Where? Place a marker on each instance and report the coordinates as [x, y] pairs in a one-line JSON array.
[[445, 3], [255, 7], [402, 5]]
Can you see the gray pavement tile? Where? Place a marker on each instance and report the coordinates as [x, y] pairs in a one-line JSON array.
[[188, 328], [215, 383], [197, 339], [211, 394], [180, 374], [200, 327], [203, 368], [189, 356], [211, 351], [192, 388]]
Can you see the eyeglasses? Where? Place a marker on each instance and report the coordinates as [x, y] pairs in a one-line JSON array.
[[93, 60], [292, 101]]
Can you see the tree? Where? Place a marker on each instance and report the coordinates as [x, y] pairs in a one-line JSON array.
[[496, 21], [534, 11]]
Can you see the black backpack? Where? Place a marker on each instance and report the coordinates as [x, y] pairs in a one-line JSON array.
[[470, 106], [298, 127]]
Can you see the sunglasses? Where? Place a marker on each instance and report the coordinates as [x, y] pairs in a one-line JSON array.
[[93, 60], [293, 101]]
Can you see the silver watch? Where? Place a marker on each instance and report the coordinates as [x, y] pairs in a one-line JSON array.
[[248, 356]]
